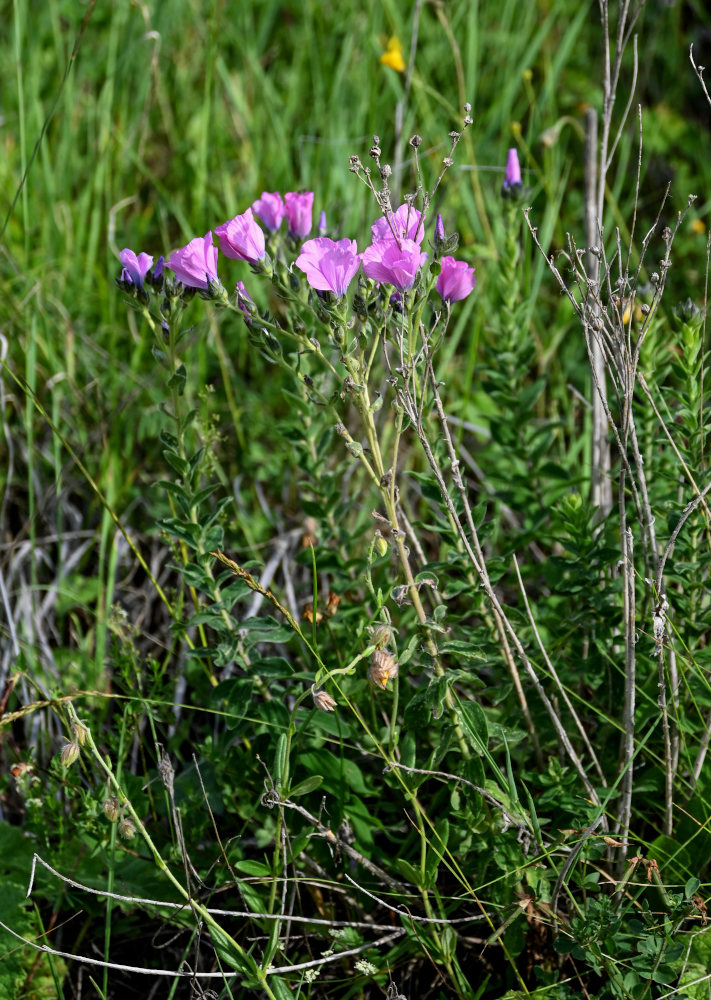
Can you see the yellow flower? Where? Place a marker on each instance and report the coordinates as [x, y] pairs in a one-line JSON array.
[[697, 226], [392, 56]]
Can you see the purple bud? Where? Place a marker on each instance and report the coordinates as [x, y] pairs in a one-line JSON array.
[[439, 229], [299, 209], [270, 209], [158, 269], [512, 177], [456, 279], [244, 301], [322, 224]]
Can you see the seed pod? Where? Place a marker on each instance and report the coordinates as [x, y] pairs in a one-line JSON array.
[[80, 732], [70, 752], [323, 700], [127, 829], [111, 808]]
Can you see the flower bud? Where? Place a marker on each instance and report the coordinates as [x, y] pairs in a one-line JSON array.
[[323, 700], [127, 829], [381, 545], [382, 635], [332, 603], [111, 808], [80, 732], [70, 752]]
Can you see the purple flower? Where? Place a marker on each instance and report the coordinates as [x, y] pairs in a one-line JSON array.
[[195, 264], [512, 177], [241, 238], [329, 266], [299, 207], [386, 262], [270, 209], [404, 224], [456, 279], [135, 267]]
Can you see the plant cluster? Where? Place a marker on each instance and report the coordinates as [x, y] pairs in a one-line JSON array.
[[412, 692]]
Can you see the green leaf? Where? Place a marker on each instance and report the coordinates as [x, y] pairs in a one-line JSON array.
[[233, 697], [175, 461], [272, 666], [249, 867], [306, 786], [473, 722], [408, 872]]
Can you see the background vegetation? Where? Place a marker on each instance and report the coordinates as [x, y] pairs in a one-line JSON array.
[[144, 124]]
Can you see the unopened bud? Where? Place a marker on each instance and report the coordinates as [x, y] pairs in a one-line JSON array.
[[323, 700], [80, 732], [70, 752], [382, 634], [381, 546], [126, 829], [111, 808]]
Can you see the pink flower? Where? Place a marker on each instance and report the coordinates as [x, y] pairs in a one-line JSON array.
[[241, 238], [405, 224], [135, 268], [456, 280], [270, 209], [512, 177], [195, 264], [386, 262], [329, 266], [299, 208]]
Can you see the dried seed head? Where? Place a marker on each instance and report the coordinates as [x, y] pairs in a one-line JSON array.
[[127, 829], [416, 141], [111, 808], [70, 752], [375, 152], [323, 700], [309, 537], [309, 613], [383, 668]]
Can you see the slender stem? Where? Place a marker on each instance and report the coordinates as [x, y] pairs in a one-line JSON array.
[[200, 911]]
